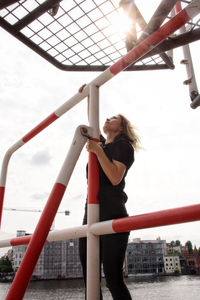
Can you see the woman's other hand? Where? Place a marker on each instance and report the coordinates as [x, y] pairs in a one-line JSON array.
[[82, 88]]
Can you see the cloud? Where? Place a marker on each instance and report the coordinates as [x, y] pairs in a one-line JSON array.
[[39, 196], [41, 158]]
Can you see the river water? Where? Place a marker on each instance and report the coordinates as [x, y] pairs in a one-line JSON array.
[[148, 288]]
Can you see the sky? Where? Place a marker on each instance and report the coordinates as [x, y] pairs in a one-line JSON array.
[[165, 173]]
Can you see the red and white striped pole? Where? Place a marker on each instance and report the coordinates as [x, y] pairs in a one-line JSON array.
[[149, 220], [56, 235], [157, 37], [166, 217], [93, 272], [39, 237], [36, 130]]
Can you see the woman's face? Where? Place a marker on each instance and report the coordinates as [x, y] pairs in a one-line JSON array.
[[113, 125]]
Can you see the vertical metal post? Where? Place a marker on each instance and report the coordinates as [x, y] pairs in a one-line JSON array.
[[93, 264], [191, 80]]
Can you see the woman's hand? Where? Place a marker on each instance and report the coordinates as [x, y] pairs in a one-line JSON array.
[[114, 169], [82, 88], [93, 147]]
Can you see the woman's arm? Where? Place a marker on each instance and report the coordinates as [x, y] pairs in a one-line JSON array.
[[114, 169]]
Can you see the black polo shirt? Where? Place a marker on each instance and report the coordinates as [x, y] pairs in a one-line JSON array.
[[112, 198]]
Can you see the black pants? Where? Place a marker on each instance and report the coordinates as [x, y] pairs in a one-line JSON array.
[[112, 252]]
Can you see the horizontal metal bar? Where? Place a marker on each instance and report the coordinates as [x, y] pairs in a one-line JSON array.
[[166, 217], [6, 3], [175, 42], [36, 13]]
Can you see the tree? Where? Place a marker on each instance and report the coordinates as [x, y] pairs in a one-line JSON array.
[[174, 252], [189, 246], [5, 265], [172, 243], [178, 243], [176, 271]]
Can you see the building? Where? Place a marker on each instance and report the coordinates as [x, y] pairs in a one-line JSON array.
[[18, 251], [146, 256], [175, 248], [58, 260], [172, 264], [192, 261]]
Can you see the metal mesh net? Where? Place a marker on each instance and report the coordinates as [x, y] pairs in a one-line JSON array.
[[74, 34]]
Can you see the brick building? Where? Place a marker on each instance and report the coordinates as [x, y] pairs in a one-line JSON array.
[[192, 261]]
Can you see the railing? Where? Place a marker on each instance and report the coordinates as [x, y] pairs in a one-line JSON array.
[[166, 217], [93, 229]]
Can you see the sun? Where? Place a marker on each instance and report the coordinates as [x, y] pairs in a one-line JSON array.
[[121, 22]]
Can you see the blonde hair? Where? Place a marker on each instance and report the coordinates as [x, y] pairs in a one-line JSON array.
[[130, 131]]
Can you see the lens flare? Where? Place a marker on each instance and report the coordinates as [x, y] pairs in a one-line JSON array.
[[121, 22]]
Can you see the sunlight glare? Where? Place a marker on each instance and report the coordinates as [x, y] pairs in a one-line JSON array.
[[121, 22]]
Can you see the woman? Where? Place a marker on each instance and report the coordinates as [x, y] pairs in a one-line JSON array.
[[115, 155]]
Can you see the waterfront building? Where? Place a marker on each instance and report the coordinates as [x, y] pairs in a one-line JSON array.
[[172, 264], [18, 251], [58, 260], [175, 248], [146, 256], [192, 261]]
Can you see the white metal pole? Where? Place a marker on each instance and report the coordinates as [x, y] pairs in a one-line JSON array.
[[191, 80], [93, 271]]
